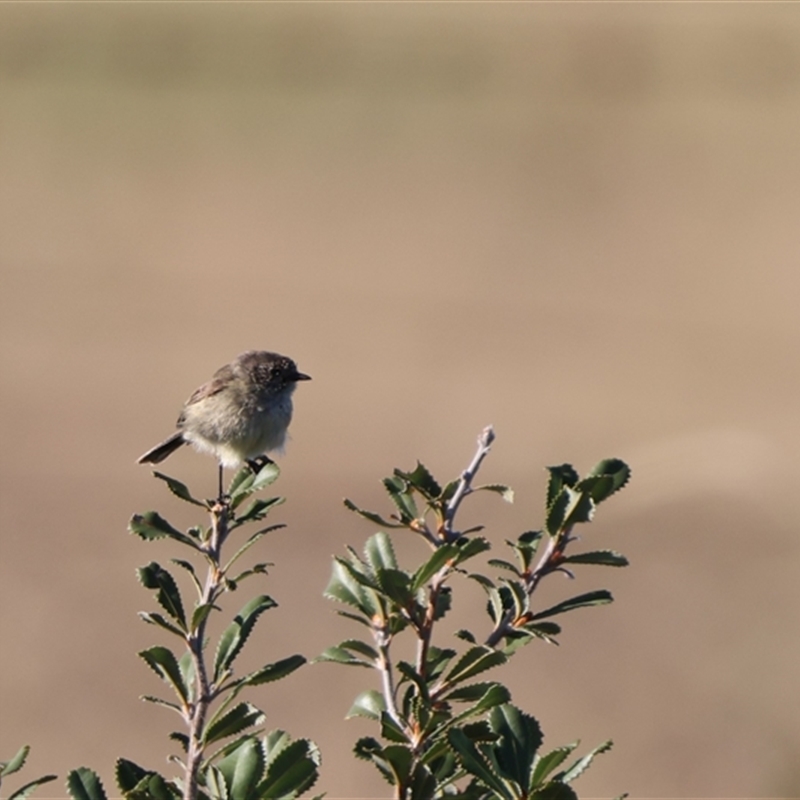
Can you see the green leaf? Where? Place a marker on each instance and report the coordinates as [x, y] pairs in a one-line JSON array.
[[379, 552], [470, 693], [557, 513], [368, 704], [506, 492], [444, 600], [338, 655], [189, 567], [595, 598], [273, 672], [498, 563], [472, 547], [376, 518], [440, 557], [545, 764], [476, 764], [200, 614], [250, 542], [396, 585], [606, 558], [236, 634], [84, 784], [391, 730], [615, 469], [163, 662], [216, 786], [243, 769], [520, 738], [258, 509], [402, 498], [422, 480], [157, 619], [293, 771], [554, 791], [237, 719], [149, 698], [344, 587], [27, 789], [268, 474], [154, 576], [560, 477], [151, 526], [179, 489], [128, 774], [582, 764], [465, 635], [245, 482], [16, 763]]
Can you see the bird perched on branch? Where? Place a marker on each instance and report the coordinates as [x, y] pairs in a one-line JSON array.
[[241, 414]]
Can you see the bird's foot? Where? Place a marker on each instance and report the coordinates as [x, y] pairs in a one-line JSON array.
[[258, 463]]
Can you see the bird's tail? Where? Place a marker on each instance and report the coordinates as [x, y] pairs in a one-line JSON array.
[[161, 451]]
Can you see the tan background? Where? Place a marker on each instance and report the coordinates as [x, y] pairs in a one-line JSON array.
[[576, 222]]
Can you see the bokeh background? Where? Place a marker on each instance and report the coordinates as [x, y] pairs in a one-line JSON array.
[[577, 222]]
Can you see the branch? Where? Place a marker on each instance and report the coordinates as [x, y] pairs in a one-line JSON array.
[[464, 485]]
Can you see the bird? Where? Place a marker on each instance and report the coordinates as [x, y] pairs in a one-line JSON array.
[[238, 416]]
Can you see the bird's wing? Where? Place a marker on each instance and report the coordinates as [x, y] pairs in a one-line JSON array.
[[220, 380]]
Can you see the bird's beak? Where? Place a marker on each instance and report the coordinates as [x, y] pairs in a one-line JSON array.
[[299, 376]]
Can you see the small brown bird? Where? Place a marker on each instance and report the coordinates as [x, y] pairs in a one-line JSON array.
[[242, 413]]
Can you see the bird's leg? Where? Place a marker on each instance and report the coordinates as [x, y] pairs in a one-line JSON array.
[[258, 463], [221, 495]]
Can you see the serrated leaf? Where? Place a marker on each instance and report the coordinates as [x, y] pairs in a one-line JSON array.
[[27, 789], [293, 771], [128, 774], [16, 763], [243, 768], [273, 672], [580, 508], [506, 492], [149, 698], [444, 600], [440, 557], [179, 489], [402, 498], [498, 563], [152, 525], [200, 614], [545, 764], [156, 619], [85, 784], [258, 509], [236, 634], [163, 662], [268, 474], [473, 662], [472, 547], [189, 567], [554, 791], [465, 635], [520, 738], [372, 517], [338, 655], [369, 704], [606, 558], [582, 764], [236, 720], [467, 694], [476, 764], [396, 585], [617, 470], [250, 542], [422, 480], [596, 598], [557, 512], [154, 576], [379, 553], [344, 587], [561, 476]]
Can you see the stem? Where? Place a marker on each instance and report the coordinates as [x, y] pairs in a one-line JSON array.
[[384, 666], [463, 489], [203, 689]]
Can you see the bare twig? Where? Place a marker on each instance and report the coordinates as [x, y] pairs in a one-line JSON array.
[[465, 483]]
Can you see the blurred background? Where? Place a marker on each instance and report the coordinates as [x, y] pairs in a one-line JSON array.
[[576, 222]]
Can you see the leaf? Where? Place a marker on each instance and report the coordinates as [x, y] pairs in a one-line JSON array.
[[245, 482], [560, 477], [554, 791], [189, 567], [273, 672], [179, 489], [520, 738], [237, 719], [200, 614], [268, 474], [258, 509], [27, 789], [344, 587], [250, 542], [498, 563], [379, 552], [369, 704], [506, 492], [469, 548], [606, 558], [84, 784], [615, 469], [293, 771], [465, 635], [151, 526], [156, 619], [243, 768], [422, 480], [16, 763], [545, 764], [476, 764], [396, 585], [149, 698], [595, 598], [582, 764], [154, 576], [128, 774], [440, 557], [338, 655], [163, 662], [470, 693], [235, 635], [376, 518], [402, 498]]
